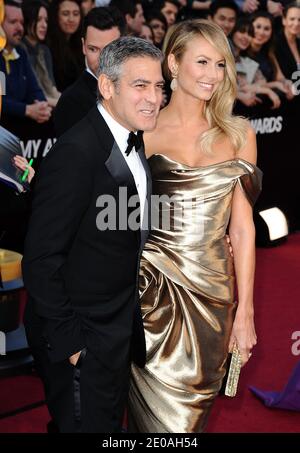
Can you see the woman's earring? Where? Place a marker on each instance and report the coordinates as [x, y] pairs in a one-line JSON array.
[[174, 84]]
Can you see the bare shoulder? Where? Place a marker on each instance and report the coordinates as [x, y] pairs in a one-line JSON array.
[[249, 151]]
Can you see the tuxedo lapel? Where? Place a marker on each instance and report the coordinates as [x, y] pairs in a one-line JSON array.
[[147, 213], [118, 167], [114, 160], [141, 153], [120, 171]]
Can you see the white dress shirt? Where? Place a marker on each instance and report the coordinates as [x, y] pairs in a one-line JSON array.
[[89, 70], [120, 134]]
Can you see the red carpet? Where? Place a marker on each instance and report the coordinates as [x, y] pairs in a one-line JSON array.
[[277, 317]]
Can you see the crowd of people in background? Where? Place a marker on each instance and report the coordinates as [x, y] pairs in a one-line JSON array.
[[52, 46]]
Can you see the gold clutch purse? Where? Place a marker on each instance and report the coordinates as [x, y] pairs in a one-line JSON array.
[[233, 373]]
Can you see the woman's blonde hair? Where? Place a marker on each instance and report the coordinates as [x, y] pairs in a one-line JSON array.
[[218, 110]]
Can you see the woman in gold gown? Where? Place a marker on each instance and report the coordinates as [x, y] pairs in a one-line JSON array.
[[204, 158]]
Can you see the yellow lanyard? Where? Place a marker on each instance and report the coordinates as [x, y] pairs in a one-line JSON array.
[[9, 57]]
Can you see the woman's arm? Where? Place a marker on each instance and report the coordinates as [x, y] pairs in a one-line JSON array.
[[248, 98], [259, 89], [242, 236], [280, 82]]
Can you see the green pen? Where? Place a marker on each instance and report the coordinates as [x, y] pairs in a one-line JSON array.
[[25, 174]]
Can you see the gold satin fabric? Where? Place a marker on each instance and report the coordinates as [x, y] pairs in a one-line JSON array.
[[187, 296]]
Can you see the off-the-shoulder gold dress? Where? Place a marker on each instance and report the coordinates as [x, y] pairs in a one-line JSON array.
[[187, 295]]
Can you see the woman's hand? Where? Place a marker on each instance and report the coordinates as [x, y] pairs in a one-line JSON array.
[[243, 335], [249, 99], [22, 163], [275, 99], [290, 89], [285, 86], [279, 85]]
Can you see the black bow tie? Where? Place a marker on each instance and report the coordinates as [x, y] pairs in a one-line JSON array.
[[134, 140]]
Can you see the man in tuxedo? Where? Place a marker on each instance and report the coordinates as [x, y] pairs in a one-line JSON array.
[[100, 27], [83, 319]]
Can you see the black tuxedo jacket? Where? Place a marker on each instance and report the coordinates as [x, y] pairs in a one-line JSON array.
[[83, 282], [74, 103]]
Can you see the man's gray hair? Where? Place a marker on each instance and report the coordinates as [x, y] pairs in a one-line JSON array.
[[116, 53]]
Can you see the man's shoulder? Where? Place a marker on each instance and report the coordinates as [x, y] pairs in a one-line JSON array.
[[23, 54], [79, 135], [74, 103], [77, 146], [72, 88], [75, 150], [22, 63], [79, 87], [77, 100], [85, 133]]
